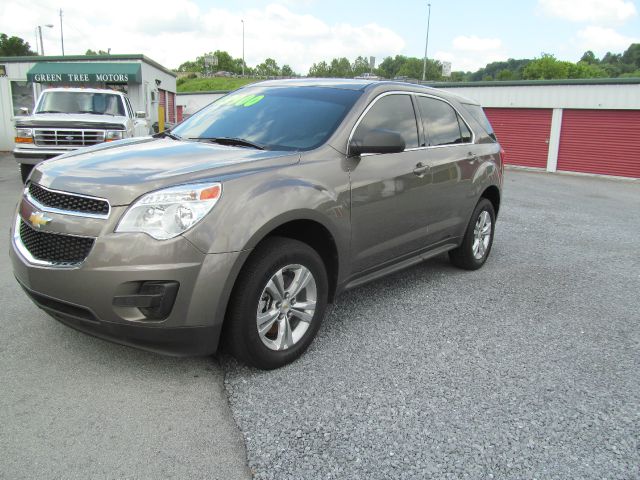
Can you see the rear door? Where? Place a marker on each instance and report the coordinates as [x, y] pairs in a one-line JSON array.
[[452, 158], [388, 191]]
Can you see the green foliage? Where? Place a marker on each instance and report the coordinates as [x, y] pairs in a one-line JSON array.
[[268, 68], [206, 84], [498, 69], [14, 47], [626, 64], [226, 63], [548, 67], [287, 71]]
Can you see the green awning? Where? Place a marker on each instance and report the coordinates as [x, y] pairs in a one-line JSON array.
[[85, 72]]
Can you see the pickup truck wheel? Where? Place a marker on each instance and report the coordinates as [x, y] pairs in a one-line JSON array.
[[25, 171], [478, 238], [278, 303]]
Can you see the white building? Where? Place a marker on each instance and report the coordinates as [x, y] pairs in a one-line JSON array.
[[148, 84]]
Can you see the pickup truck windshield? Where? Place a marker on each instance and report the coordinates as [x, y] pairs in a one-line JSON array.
[[276, 118], [80, 102]]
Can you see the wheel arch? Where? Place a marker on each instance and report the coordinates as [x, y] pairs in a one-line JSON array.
[[492, 193]]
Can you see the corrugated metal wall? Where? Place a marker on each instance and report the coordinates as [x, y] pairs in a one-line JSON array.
[[523, 133], [600, 141]]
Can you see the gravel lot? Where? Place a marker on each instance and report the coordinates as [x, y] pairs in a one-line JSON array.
[[527, 368]]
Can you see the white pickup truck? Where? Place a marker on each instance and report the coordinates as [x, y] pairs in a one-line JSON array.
[[66, 119]]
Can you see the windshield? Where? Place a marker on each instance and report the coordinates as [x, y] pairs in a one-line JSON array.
[[276, 118], [81, 102]]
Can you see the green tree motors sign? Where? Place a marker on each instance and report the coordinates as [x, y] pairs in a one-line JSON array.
[[85, 72]]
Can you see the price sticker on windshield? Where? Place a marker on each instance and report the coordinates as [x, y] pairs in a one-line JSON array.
[[241, 100]]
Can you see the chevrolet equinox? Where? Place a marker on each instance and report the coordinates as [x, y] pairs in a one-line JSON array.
[[243, 223]]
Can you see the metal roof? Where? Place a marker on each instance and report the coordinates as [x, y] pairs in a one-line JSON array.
[[86, 58]]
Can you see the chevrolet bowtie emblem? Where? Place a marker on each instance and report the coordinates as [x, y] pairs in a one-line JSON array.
[[39, 219]]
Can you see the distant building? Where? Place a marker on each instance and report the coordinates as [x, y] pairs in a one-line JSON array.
[[148, 84]]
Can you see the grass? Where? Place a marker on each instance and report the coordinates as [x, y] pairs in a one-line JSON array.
[[213, 83]]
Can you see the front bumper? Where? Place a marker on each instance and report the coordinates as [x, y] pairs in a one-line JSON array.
[[83, 296], [35, 155]]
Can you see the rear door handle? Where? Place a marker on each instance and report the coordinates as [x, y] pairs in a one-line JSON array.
[[420, 169]]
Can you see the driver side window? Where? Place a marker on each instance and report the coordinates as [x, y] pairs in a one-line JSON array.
[[391, 112]]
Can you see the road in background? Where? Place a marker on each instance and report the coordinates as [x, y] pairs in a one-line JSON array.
[[76, 407]]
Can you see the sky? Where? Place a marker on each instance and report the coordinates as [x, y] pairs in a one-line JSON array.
[[467, 33]]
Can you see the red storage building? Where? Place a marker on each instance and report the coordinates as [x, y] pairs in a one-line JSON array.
[[586, 126]]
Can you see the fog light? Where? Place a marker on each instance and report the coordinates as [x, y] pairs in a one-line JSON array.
[[154, 299]]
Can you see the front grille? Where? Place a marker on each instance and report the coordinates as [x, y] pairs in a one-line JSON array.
[[54, 247], [67, 201], [67, 137]]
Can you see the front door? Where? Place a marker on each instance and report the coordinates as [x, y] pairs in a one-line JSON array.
[[389, 191]]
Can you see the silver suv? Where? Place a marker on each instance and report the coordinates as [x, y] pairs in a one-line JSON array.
[[249, 218]]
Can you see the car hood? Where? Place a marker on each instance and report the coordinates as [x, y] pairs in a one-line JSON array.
[[122, 171], [71, 120]]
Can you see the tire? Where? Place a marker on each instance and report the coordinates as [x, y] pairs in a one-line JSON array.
[[25, 171], [257, 297], [469, 255]]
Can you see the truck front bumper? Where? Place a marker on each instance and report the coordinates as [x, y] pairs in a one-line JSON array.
[[35, 155]]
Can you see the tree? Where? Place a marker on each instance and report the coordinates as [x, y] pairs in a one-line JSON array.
[[341, 68], [589, 57], [360, 65], [631, 56], [225, 63], [268, 68], [14, 47], [546, 67], [287, 71], [320, 69]]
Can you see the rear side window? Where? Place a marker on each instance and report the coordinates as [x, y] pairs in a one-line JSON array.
[[478, 114], [392, 112], [441, 123]]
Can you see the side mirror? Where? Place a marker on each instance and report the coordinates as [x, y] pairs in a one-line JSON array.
[[24, 111], [141, 114], [377, 141]]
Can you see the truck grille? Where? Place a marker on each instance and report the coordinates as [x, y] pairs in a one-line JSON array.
[[69, 202], [54, 247], [67, 137]]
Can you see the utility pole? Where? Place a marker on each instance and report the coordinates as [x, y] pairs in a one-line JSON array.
[[40, 34], [426, 46], [61, 34], [41, 46], [242, 47]]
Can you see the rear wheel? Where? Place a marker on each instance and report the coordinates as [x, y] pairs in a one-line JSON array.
[[478, 238], [278, 303], [25, 171]]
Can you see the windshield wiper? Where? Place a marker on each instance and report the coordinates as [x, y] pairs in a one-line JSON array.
[[48, 111], [168, 134], [231, 141], [87, 111]]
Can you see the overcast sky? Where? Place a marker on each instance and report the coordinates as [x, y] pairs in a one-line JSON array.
[[468, 33]]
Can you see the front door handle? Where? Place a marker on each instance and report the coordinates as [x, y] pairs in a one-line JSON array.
[[420, 169]]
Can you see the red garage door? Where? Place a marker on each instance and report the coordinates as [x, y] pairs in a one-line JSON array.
[[523, 133], [600, 141]]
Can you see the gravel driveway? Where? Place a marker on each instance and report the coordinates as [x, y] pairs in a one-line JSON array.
[[527, 368]]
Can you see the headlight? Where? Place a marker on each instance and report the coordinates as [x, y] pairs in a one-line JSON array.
[[111, 135], [167, 213], [24, 135]]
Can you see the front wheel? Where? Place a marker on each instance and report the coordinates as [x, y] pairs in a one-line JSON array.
[[478, 238], [277, 304]]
